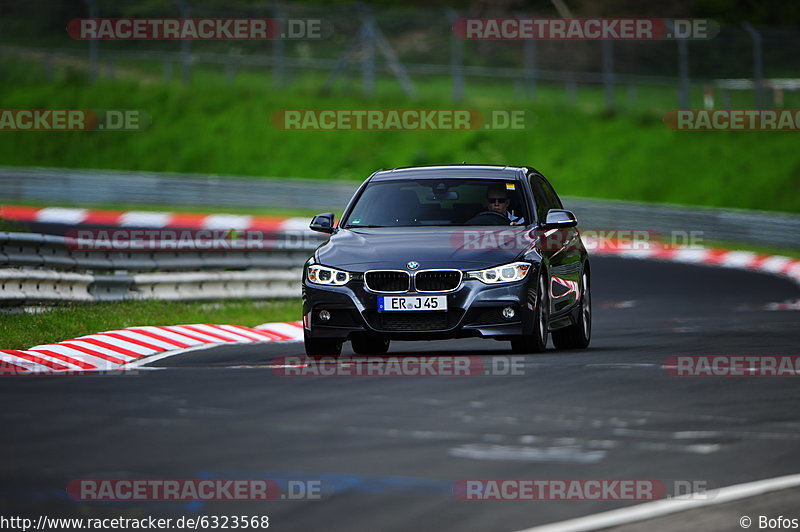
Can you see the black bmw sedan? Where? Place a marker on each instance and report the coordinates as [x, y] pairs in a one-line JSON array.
[[444, 252]]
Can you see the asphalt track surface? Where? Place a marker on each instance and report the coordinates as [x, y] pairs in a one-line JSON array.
[[388, 450]]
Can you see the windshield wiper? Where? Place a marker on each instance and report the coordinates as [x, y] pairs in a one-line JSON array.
[[359, 226]]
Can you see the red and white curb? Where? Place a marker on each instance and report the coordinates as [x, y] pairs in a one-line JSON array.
[[724, 258], [151, 219], [136, 346], [745, 260]]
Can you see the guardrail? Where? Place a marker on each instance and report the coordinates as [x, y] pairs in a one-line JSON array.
[[38, 268], [81, 187], [731, 226]]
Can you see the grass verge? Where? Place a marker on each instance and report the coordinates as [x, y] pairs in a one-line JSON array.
[[22, 331], [217, 128], [280, 212]]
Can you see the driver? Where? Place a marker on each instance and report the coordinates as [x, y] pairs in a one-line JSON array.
[[497, 200]]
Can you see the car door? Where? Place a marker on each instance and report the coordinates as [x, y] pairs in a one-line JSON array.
[[561, 249]]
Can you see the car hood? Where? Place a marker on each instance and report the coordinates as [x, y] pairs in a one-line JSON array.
[[431, 247]]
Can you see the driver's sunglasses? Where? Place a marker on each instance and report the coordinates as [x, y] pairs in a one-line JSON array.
[[496, 200]]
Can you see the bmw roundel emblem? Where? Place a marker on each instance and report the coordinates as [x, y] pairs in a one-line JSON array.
[[413, 265]]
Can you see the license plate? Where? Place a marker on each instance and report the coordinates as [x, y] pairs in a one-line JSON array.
[[399, 303]]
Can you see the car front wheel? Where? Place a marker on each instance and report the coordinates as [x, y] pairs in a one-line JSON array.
[[536, 342], [577, 336]]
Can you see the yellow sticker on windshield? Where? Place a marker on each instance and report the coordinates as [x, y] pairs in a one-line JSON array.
[[510, 186]]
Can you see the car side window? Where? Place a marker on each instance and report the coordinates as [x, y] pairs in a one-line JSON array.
[[539, 195], [552, 198]]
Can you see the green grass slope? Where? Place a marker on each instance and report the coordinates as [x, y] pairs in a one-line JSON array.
[[213, 127]]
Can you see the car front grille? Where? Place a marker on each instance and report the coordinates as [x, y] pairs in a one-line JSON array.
[[437, 280], [410, 321], [387, 281]]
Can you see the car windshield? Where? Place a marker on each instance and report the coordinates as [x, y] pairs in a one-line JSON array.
[[443, 202]]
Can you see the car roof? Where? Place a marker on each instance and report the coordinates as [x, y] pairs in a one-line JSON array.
[[449, 171]]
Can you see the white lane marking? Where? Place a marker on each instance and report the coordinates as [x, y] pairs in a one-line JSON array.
[[628, 303], [633, 253], [61, 215], [775, 263], [653, 509], [145, 219], [227, 221], [723, 433], [295, 224], [691, 255], [630, 365], [694, 448], [737, 259], [786, 305], [521, 453]]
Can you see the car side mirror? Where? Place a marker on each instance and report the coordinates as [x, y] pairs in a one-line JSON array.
[[322, 223], [559, 219]]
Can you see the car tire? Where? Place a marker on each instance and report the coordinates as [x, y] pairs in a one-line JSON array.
[[577, 336], [536, 342], [322, 347], [370, 345]]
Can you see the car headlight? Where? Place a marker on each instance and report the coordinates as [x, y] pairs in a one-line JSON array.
[[325, 275], [507, 273]]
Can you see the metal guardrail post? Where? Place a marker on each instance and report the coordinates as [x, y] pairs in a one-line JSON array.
[[608, 73], [529, 60], [456, 58], [186, 44], [93, 44], [758, 64], [368, 37], [278, 50], [684, 100]]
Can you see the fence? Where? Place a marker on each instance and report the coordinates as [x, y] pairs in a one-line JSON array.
[[410, 45]]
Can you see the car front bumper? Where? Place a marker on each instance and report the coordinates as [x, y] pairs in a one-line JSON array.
[[473, 310]]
